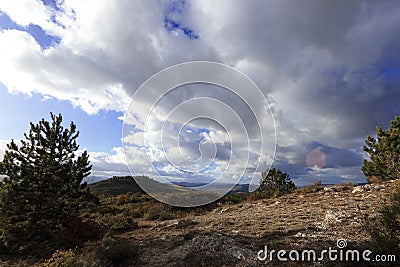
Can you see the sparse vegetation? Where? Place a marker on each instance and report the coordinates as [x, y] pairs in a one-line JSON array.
[[384, 151], [116, 251], [385, 228], [62, 258], [118, 213], [110, 252]]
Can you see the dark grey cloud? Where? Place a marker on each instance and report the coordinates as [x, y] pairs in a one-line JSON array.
[[294, 160]]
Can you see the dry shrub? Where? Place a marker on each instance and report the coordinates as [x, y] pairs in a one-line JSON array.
[[373, 180], [117, 251], [255, 196], [62, 258], [79, 230], [385, 228], [312, 188], [155, 210], [235, 198]]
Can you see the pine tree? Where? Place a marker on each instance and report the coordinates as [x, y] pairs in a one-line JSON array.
[[384, 151], [275, 183], [43, 185]]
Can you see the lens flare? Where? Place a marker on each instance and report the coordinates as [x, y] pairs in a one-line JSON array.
[[316, 159]]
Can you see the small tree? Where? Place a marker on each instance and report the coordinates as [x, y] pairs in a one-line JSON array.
[[43, 186], [275, 183], [384, 151]]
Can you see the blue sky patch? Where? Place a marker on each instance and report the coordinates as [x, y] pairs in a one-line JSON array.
[[51, 3], [173, 23], [100, 132], [43, 39]]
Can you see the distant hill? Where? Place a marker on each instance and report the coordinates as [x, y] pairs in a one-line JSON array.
[[222, 188], [239, 188], [170, 193], [118, 185]]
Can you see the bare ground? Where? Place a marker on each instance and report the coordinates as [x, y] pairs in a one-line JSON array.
[[233, 235]]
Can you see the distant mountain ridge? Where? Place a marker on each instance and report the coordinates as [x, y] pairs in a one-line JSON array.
[[124, 184], [118, 185], [243, 188]]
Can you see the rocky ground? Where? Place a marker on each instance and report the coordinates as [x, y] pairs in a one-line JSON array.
[[232, 235]]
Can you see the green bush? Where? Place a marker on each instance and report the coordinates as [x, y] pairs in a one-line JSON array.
[[274, 183], [235, 198], [384, 151]]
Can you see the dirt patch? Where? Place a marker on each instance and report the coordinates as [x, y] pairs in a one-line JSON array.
[[232, 235]]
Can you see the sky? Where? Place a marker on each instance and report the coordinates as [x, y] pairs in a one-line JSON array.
[[329, 72]]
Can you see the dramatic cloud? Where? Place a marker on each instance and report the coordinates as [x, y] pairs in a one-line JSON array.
[[99, 62], [330, 70]]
